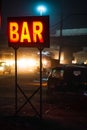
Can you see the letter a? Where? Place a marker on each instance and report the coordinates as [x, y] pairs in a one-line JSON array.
[[25, 35]]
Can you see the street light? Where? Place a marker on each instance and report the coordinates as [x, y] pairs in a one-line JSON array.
[[41, 9]]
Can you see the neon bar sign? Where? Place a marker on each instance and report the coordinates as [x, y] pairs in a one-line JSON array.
[[31, 31]]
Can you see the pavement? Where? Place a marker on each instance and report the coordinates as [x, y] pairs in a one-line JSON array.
[[54, 118], [33, 123]]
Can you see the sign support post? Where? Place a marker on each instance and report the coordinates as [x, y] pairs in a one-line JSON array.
[[41, 111], [16, 103]]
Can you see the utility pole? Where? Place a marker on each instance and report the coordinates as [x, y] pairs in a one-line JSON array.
[[61, 27]]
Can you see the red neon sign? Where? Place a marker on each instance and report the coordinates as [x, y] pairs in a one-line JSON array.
[[28, 31]]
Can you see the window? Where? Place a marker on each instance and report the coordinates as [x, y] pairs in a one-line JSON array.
[[58, 73]]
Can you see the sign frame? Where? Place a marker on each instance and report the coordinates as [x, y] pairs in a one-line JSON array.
[[29, 19]]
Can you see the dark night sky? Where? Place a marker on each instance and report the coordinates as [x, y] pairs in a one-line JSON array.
[[74, 11]]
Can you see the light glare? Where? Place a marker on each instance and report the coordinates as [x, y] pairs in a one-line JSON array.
[[41, 9]]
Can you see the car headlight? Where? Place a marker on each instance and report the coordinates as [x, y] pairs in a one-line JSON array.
[[2, 68]]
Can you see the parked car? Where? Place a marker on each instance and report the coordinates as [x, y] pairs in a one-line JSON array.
[[68, 83], [4, 68]]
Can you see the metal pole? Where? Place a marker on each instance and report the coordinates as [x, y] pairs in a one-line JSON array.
[[16, 104], [61, 26], [41, 83], [41, 77]]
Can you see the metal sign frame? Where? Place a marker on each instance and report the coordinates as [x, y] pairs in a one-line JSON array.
[[40, 46], [17, 87]]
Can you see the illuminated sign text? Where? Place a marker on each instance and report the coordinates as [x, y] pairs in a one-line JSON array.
[[28, 31]]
